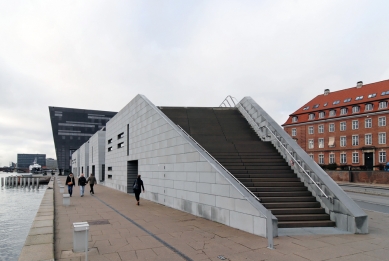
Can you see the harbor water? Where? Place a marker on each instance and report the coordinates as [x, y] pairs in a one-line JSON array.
[[18, 207]]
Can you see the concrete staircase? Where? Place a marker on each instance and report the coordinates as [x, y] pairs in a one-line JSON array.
[[227, 136]]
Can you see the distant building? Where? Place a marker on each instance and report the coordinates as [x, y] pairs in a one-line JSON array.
[[25, 160], [51, 163], [347, 127], [72, 128]]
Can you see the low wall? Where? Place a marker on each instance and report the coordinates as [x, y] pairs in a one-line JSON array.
[[369, 177]]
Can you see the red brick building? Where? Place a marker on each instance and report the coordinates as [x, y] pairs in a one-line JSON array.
[[346, 127]]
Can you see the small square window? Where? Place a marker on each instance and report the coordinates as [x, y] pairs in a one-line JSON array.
[[294, 132]]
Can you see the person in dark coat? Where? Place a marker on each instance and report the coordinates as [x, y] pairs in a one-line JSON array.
[[70, 182], [138, 184], [92, 181], [81, 184]]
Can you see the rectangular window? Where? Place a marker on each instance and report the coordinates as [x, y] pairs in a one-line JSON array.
[[321, 143], [382, 138], [321, 159], [310, 130], [343, 126], [331, 127], [295, 119], [383, 105], [109, 168], [381, 121], [343, 141], [332, 112], [121, 145], [343, 111], [355, 109], [368, 139], [312, 116], [369, 107], [332, 159], [368, 123], [355, 157], [343, 158], [355, 140], [310, 144], [121, 135], [321, 114], [311, 156], [294, 132], [321, 128], [109, 141], [109, 149], [331, 142], [382, 157], [355, 124], [109, 176]]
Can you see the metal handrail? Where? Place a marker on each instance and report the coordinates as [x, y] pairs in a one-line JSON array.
[[201, 147], [293, 158], [226, 100]]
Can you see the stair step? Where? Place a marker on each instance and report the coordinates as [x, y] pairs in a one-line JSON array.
[[273, 179], [273, 184], [289, 211], [320, 223], [276, 189], [283, 194], [287, 199], [302, 217], [291, 205], [238, 176]]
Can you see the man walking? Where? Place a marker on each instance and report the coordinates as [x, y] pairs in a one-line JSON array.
[[70, 182], [92, 181], [81, 184]]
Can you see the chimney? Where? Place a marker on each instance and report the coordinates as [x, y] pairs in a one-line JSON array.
[[326, 91], [359, 84]]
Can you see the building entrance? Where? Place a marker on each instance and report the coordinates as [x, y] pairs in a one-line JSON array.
[[369, 160], [132, 174]]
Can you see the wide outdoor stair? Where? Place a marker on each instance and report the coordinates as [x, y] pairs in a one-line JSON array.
[[228, 137]]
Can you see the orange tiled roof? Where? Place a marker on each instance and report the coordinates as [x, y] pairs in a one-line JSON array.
[[377, 88]]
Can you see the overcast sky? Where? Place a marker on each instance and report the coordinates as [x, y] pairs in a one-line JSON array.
[[101, 54]]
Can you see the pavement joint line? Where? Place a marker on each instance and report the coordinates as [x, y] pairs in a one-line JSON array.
[[148, 232]]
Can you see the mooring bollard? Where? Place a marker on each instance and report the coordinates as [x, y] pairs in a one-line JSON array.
[[2, 182], [66, 199], [80, 237], [61, 189]]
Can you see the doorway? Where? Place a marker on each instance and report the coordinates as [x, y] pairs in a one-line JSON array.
[[102, 172], [369, 160], [93, 170], [132, 174]]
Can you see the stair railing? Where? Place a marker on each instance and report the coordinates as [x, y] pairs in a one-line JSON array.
[[283, 146], [227, 100], [201, 147]]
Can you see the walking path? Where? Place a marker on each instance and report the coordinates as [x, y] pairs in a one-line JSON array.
[[120, 230]]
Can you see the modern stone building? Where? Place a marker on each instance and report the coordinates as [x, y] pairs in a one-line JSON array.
[[51, 163], [72, 128], [223, 164], [347, 127]]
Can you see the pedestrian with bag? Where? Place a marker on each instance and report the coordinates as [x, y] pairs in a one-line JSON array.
[[81, 184], [92, 181], [138, 184], [70, 182]]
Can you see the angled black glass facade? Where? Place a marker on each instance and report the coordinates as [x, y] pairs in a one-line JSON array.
[[72, 128], [25, 160]]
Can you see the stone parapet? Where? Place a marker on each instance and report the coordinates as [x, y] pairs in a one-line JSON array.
[[368, 177]]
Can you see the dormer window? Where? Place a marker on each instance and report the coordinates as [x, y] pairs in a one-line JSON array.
[[295, 119], [332, 113], [372, 95], [315, 106], [347, 100], [335, 102], [359, 98], [343, 111], [385, 93], [383, 105], [356, 109], [311, 116], [321, 114], [306, 108], [369, 107], [325, 104]]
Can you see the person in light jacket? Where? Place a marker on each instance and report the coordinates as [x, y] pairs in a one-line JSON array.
[[81, 184], [138, 184], [70, 182], [92, 181]]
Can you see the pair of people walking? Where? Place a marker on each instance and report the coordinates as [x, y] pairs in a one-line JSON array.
[[82, 181]]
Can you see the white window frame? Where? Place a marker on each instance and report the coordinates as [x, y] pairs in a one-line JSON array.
[[320, 128], [343, 141], [368, 123], [311, 116], [312, 156], [294, 132], [295, 119], [355, 140], [332, 113], [355, 124], [343, 111], [382, 138], [368, 139], [356, 109], [321, 143], [355, 157], [383, 105], [310, 130], [382, 157], [321, 114], [311, 144], [331, 159], [331, 127], [343, 158], [321, 159], [342, 126], [382, 121], [368, 107]]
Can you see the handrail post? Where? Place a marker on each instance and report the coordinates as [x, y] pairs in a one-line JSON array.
[[269, 226]]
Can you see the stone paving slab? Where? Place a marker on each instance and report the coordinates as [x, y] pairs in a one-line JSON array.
[[121, 230]]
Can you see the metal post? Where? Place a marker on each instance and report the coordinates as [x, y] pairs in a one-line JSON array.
[[37, 184], [269, 226], [2, 182], [86, 243]]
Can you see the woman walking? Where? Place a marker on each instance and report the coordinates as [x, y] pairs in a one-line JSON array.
[[92, 181], [81, 184], [138, 184], [70, 182]]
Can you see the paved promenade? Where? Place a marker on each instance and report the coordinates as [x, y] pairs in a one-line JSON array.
[[120, 230]]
